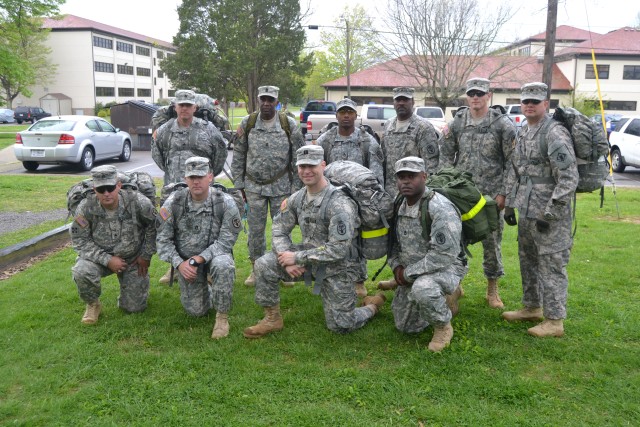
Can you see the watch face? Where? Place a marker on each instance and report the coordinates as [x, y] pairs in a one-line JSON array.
[[192, 262]]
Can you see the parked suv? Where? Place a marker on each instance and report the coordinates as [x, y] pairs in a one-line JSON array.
[[29, 114], [625, 144]]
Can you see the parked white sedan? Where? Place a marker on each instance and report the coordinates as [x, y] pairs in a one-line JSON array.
[[625, 144], [80, 140]]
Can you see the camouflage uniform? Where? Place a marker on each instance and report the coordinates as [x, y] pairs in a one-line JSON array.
[[418, 139], [543, 186], [97, 236], [324, 249], [434, 267], [258, 159], [482, 148], [210, 231], [175, 144], [220, 121]]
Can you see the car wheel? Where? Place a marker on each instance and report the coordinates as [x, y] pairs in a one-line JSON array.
[[30, 166], [616, 161], [86, 161], [19, 122], [126, 152]]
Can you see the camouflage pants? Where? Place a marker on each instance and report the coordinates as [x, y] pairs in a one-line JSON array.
[[257, 220], [134, 290], [199, 297], [423, 303], [544, 275], [492, 252], [337, 291]]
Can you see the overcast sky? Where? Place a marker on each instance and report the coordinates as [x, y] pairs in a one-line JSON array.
[[159, 19]]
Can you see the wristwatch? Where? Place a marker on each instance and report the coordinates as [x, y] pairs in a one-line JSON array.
[[193, 262]]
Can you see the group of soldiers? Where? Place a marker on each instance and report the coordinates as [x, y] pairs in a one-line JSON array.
[[278, 175]]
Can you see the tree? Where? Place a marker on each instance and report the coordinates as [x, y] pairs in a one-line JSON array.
[[23, 53], [441, 42], [355, 26], [228, 48]]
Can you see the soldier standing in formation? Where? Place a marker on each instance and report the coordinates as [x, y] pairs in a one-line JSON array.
[[113, 232], [480, 141], [426, 269], [184, 137], [263, 166], [197, 228], [407, 135], [219, 120], [544, 178], [347, 142], [327, 246]]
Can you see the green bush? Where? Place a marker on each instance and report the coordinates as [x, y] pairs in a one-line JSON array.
[[99, 106], [103, 113]]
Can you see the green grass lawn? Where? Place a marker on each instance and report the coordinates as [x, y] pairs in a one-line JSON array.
[[161, 368]]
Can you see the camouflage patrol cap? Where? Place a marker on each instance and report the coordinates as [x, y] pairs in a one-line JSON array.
[[185, 96], [535, 90], [310, 155], [271, 91], [196, 166], [478, 83], [104, 175], [407, 92], [410, 164], [346, 103]]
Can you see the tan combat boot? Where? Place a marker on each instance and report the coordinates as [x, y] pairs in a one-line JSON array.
[[548, 328], [92, 313], [272, 322], [452, 300], [387, 285], [251, 280], [441, 337], [221, 327], [374, 303], [167, 276], [524, 314], [492, 294], [361, 291]]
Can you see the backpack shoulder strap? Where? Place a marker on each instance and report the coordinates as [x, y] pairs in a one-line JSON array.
[[325, 202], [365, 146], [251, 122], [179, 204], [549, 124], [425, 218], [284, 124]]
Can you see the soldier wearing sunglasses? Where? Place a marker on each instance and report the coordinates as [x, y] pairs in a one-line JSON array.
[[480, 140], [544, 178], [113, 232]]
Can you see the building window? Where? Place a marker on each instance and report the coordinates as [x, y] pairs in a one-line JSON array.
[[125, 91], [144, 51], [631, 72], [125, 69], [105, 91], [102, 67], [124, 47], [603, 72], [144, 72], [144, 92], [171, 93], [524, 51], [620, 105], [102, 42], [160, 54], [160, 74]]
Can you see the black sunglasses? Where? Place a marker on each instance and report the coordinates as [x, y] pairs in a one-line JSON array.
[[106, 188], [531, 101], [475, 93]]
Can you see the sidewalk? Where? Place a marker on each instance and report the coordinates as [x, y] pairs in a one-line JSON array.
[[7, 159]]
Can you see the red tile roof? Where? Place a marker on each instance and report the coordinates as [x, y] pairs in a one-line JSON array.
[[514, 71], [72, 22], [566, 33], [623, 41]]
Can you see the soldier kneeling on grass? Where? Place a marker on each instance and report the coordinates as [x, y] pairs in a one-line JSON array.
[[113, 232]]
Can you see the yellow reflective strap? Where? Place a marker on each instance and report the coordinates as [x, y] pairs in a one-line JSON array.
[[370, 234], [474, 210]]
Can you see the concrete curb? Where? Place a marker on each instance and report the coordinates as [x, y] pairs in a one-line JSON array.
[[22, 251]]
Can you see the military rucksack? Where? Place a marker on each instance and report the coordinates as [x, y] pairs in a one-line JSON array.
[[363, 141], [589, 143], [375, 205], [236, 194], [135, 181]]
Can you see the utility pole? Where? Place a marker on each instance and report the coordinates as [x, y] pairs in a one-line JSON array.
[[550, 43], [346, 20]]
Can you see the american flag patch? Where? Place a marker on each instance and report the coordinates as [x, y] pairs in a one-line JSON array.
[[164, 213], [82, 221], [283, 205]]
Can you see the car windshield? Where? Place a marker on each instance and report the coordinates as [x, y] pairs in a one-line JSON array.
[[429, 113], [53, 125]]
